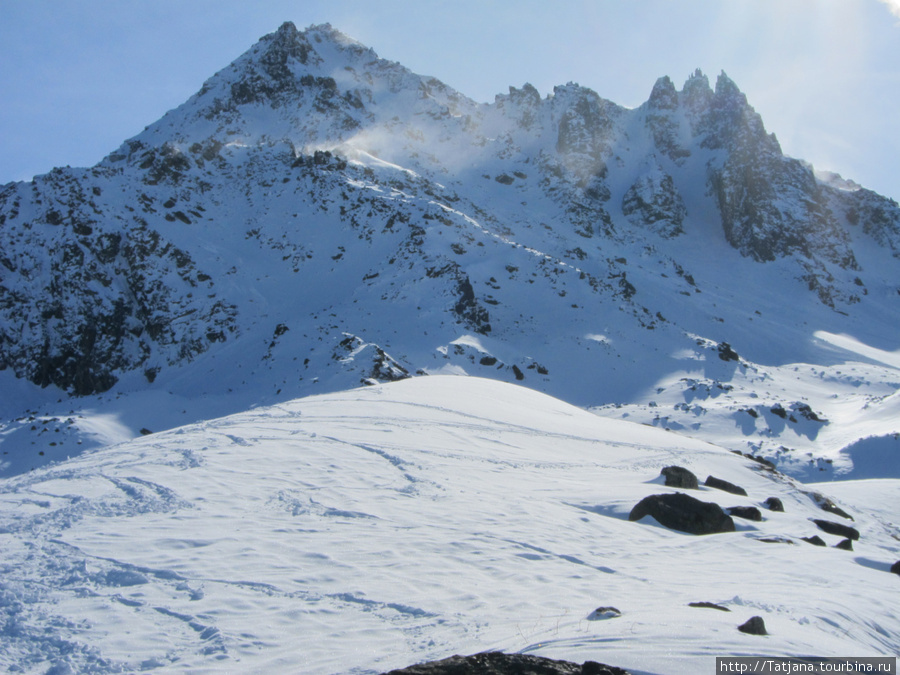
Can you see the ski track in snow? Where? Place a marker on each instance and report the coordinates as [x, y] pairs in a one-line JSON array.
[[371, 529]]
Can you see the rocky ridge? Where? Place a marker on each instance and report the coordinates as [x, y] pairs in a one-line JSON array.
[[311, 190]]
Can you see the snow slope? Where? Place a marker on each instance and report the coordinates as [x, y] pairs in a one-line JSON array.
[[365, 530]]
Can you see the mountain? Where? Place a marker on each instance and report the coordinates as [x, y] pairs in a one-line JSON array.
[[367, 530], [316, 217]]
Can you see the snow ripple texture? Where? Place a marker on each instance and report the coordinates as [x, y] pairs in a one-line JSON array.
[[375, 528]]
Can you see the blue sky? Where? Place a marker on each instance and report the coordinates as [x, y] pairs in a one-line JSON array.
[[77, 78]]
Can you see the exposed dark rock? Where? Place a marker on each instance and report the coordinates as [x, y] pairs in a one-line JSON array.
[[604, 613], [804, 410], [815, 540], [845, 544], [895, 568], [683, 513], [774, 504], [756, 458], [594, 668], [719, 484], [745, 512], [754, 626], [679, 477], [776, 540], [145, 431], [837, 528], [726, 353], [826, 504], [498, 663], [654, 203], [708, 605]]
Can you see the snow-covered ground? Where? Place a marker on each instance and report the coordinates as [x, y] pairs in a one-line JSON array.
[[365, 530], [817, 421]]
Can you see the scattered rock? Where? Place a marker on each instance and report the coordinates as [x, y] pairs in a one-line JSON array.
[[774, 504], [895, 568], [845, 544], [726, 353], [719, 484], [826, 504], [498, 663], [679, 477], [604, 613], [754, 626], [815, 540], [776, 540], [837, 528], [745, 512], [683, 513], [708, 605], [145, 431], [594, 668], [767, 464]]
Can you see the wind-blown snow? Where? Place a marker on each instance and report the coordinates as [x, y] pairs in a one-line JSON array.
[[370, 529]]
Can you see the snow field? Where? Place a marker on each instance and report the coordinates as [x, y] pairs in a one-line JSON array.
[[370, 529]]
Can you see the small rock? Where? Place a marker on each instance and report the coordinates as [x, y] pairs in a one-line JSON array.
[[604, 613], [745, 512], [837, 528], [815, 540], [826, 504], [754, 626], [895, 568], [145, 432], [708, 605], [719, 484], [679, 477], [845, 544], [774, 504]]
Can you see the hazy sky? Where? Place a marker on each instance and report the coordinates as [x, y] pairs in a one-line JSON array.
[[78, 77]]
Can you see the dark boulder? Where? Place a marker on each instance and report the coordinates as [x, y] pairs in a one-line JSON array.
[[498, 663], [895, 568], [754, 626], [815, 540], [845, 544], [679, 477], [683, 513], [719, 484], [745, 512], [837, 528], [774, 504]]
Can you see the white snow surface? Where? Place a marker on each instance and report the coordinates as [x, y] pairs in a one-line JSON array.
[[366, 530]]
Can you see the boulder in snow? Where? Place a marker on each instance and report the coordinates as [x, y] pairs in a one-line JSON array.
[[719, 484], [683, 513], [679, 477]]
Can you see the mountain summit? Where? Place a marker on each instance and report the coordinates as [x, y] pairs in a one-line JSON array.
[[317, 217]]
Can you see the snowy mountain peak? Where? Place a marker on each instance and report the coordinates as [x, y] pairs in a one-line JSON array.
[[663, 95], [312, 191], [727, 89], [696, 92]]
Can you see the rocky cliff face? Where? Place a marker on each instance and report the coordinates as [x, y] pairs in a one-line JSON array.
[[314, 186]]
